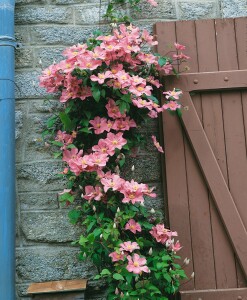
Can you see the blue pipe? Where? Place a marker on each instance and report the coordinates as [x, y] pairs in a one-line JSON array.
[[7, 151]]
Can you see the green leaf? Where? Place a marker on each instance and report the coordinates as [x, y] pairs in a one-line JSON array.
[[162, 61], [154, 99], [118, 276], [69, 125], [74, 216], [105, 272], [57, 143], [83, 241], [57, 154], [96, 93]]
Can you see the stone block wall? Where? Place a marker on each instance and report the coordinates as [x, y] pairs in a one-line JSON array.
[[45, 28]]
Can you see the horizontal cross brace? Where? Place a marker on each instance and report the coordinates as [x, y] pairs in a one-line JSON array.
[[227, 294], [206, 81]]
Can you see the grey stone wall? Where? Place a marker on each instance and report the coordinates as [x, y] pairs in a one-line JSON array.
[[45, 28]]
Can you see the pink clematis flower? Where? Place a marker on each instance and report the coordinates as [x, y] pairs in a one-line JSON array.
[[171, 105], [101, 77], [104, 148], [116, 256], [71, 154], [162, 234], [92, 193], [99, 125], [137, 264], [113, 182], [173, 94], [179, 46], [156, 144], [153, 2], [116, 140], [175, 247], [113, 110], [129, 246], [133, 226]]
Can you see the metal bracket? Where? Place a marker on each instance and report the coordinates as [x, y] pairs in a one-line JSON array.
[[6, 40]]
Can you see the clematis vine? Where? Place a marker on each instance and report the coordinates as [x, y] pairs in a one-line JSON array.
[[108, 88]]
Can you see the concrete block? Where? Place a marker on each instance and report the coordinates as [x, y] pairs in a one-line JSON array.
[[39, 176], [48, 227], [38, 201], [45, 106], [51, 263], [233, 8], [147, 168], [164, 10], [89, 14], [24, 2], [62, 35], [24, 58], [28, 85], [189, 10], [48, 55], [45, 14]]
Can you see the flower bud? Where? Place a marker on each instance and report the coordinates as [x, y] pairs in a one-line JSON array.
[[84, 254], [117, 170], [137, 278], [118, 210], [114, 225], [40, 61], [116, 291], [142, 204], [94, 208], [127, 294], [133, 168], [150, 252], [122, 295], [152, 211], [192, 275], [186, 261], [101, 236]]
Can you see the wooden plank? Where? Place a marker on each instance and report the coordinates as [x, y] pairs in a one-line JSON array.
[[197, 191], [55, 286], [175, 165], [216, 182], [220, 294], [232, 114], [214, 128]]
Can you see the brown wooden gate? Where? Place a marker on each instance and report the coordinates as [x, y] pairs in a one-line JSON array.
[[206, 164]]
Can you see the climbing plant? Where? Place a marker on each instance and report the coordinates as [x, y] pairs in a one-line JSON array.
[[109, 87]]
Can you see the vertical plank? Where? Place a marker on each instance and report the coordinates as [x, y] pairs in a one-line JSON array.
[[213, 126], [241, 42], [232, 114], [175, 165], [198, 194]]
